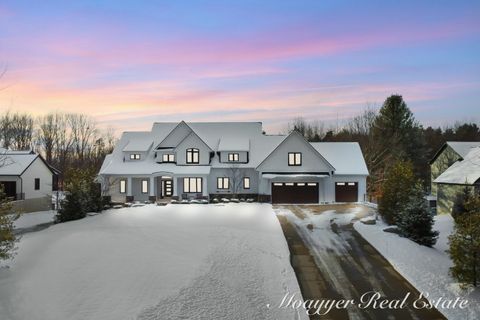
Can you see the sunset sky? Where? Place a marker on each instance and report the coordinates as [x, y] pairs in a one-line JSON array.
[[129, 63]]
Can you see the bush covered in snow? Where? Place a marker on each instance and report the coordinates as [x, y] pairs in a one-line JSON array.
[[416, 222], [82, 196]]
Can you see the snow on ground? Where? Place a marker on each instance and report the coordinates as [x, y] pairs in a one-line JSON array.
[[425, 268], [28, 220], [173, 262]]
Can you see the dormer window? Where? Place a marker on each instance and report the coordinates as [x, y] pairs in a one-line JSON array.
[[193, 155], [135, 156], [168, 158], [294, 158], [233, 157]]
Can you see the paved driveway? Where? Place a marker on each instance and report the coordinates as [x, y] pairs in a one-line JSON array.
[[332, 261]]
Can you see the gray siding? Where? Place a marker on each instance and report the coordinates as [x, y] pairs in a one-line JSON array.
[[240, 173], [193, 141], [278, 160]]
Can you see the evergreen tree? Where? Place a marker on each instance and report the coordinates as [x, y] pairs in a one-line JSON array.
[[396, 191], [461, 199], [83, 195], [465, 244], [73, 206], [400, 135], [7, 237], [416, 222]]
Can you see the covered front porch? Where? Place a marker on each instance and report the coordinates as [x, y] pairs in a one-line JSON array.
[[158, 186]]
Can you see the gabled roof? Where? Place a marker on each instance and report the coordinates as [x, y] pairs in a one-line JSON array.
[[15, 163], [466, 171], [181, 123], [460, 147], [193, 133], [347, 157], [295, 133]]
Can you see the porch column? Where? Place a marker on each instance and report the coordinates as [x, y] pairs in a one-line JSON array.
[[152, 186], [204, 186], [175, 185], [129, 187]]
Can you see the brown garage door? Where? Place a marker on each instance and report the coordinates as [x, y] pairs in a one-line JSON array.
[[346, 191], [294, 192]]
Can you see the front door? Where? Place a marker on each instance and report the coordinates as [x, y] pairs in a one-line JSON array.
[[167, 188]]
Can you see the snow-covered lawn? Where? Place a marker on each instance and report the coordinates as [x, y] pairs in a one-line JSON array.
[[28, 220], [425, 268], [173, 262]]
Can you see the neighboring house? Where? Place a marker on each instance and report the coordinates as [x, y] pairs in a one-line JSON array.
[[27, 179], [448, 154], [464, 173], [225, 159]]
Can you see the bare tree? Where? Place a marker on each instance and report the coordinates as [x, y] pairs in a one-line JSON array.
[[235, 177], [83, 131]]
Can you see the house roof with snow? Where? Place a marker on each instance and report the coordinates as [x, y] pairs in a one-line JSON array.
[[223, 136], [465, 171], [460, 147], [14, 163], [346, 157]]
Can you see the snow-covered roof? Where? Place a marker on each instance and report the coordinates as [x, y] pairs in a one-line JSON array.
[[14, 163], [225, 136], [346, 157], [237, 143], [140, 143], [466, 171], [462, 147]]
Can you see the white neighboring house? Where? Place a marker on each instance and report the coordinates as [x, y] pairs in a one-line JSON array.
[[27, 179], [226, 159]]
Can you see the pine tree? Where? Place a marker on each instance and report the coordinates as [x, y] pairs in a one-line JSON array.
[[416, 222], [7, 237], [400, 135], [396, 191], [82, 196], [465, 244], [461, 199]]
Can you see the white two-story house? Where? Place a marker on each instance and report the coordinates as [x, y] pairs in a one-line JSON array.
[[226, 159]]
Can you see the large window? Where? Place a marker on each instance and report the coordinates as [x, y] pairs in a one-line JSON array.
[[294, 159], [233, 157], [246, 183], [193, 155], [223, 183], [192, 185], [135, 156], [144, 186], [123, 186], [168, 158], [37, 183]]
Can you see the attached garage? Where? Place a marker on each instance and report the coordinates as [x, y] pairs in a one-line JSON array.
[[346, 191], [295, 192]]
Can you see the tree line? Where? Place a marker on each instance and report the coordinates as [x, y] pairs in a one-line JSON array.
[[66, 140]]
